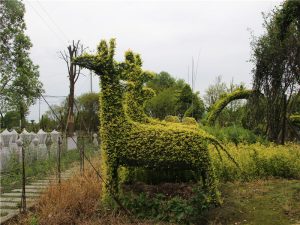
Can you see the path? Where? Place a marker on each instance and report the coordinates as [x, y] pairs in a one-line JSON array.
[[10, 202]]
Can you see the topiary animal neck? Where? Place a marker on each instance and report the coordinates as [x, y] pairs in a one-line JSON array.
[[112, 112]]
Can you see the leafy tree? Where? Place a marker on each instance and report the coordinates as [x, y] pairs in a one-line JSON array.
[[20, 86], [163, 104], [12, 24], [196, 108], [215, 91], [173, 97], [161, 81], [11, 120], [88, 106], [276, 57], [185, 98]]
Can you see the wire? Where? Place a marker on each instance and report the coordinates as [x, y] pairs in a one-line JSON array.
[[53, 21], [45, 21]]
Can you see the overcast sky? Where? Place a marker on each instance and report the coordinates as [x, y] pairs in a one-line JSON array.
[[167, 34]]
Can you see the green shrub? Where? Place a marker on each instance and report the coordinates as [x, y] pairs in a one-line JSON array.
[[234, 134], [189, 121], [258, 161]]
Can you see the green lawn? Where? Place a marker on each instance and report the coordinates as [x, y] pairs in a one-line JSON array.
[[261, 202]]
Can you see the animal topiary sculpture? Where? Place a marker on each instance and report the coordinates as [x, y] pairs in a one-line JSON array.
[[131, 144]]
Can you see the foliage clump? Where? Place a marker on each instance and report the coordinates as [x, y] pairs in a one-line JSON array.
[[189, 121], [259, 161]]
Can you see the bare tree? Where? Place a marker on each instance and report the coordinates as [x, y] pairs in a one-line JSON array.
[[74, 50]]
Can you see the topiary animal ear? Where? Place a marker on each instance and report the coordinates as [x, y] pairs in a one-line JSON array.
[[138, 60], [129, 57]]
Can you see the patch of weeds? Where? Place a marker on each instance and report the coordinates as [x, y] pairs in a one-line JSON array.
[[163, 208]]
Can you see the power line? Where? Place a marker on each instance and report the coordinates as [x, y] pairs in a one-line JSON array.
[[53, 21], [45, 21], [54, 96]]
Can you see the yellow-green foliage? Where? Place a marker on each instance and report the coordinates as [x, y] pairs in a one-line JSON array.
[[189, 121], [137, 93], [172, 119], [131, 144], [259, 161], [217, 108]]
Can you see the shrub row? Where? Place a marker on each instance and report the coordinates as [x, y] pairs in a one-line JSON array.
[[258, 161]]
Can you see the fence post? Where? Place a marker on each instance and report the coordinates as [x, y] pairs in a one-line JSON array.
[[81, 147], [83, 154], [58, 159], [23, 195]]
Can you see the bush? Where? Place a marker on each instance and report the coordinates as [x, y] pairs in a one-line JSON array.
[[234, 134], [258, 161]]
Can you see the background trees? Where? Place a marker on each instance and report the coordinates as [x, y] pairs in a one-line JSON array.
[[19, 80], [173, 97], [276, 55]]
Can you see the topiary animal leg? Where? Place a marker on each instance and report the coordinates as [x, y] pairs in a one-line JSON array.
[[210, 184]]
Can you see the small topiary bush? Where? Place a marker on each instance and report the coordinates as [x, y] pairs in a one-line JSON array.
[[189, 121]]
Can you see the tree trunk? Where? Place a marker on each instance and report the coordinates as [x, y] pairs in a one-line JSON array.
[[70, 127], [22, 117], [283, 128]]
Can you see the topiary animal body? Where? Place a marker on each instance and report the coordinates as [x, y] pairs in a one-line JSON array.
[[137, 94], [130, 144]]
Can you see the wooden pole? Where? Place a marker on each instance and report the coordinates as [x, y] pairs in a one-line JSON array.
[[58, 160], [23, 196]]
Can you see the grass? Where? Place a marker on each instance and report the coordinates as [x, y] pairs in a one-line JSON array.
[[268, 202]]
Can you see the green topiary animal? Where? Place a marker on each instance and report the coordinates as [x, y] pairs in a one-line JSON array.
[[131, 144]]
